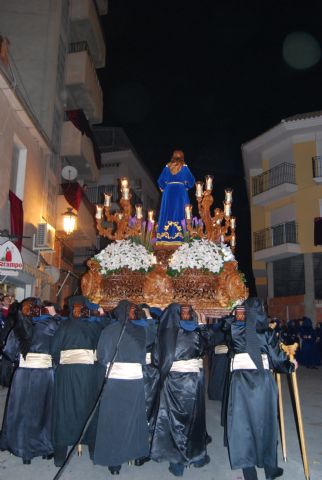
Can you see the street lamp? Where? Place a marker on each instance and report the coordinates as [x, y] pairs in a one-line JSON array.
[[69, 221]]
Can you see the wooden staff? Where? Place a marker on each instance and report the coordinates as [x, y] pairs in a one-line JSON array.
[[290, 351], [79, 450], [281, 415]]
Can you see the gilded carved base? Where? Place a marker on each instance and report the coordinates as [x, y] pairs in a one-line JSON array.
[[211, 294]]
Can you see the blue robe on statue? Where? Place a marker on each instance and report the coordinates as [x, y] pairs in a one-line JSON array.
[[174, 199]]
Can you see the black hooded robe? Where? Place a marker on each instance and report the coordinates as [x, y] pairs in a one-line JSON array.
[[27, 425], [252, 422], [179, 421], [122, 428], [150, 371], [219, 365], [76, 385]]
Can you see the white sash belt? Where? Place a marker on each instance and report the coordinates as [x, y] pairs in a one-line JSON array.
[[242, 361], [221, 349], [148, 358], [77, 355], [36, 360], [186, 366], [200, 363], [125, 371]]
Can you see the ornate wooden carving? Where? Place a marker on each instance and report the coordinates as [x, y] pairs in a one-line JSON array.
[[158, 287], [163, 253], [91, 282], [216, 227], [211, 294]]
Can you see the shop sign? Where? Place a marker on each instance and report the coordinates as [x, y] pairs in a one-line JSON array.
[[10, 259]]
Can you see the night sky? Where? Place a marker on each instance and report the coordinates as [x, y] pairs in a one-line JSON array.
[[205, 77]]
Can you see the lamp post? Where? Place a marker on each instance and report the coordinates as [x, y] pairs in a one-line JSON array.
[[69, 221]]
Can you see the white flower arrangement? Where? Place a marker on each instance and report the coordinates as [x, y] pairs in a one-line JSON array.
[[124, 254], [201, 254]]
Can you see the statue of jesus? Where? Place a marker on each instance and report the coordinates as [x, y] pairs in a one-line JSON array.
[[174, 181]]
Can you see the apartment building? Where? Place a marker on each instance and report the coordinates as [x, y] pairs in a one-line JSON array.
[[283, 169], [49, 97]]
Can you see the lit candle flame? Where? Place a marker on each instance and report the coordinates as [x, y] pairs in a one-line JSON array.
[[126, 193], [138, 211], [150, 215], [228, 196], [99, 212], [209, 182], [188, 211], [199, 189], [107, 199]]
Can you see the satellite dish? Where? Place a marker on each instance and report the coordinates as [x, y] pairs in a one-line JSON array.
[[53, 272], [69, 172]]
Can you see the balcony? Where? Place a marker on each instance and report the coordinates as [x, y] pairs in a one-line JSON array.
[[83, 88], [78, 150], [274, 184], [276, 242], [85, 25], [317, 169], [96, 194], [85, 233]]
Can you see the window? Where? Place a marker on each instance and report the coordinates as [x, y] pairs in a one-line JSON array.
[[18, 169], [288, 276]]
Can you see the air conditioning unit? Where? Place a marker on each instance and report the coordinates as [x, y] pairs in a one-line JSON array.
[[44, 239]]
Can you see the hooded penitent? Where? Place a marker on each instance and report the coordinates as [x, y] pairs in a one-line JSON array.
[[27, 431]]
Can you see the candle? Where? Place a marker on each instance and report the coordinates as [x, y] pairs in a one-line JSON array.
[[233, 240], [99, 212], [188, 211], [233, 223], [107, 199], [138, 211], [120, 215], [199, 189], [124, 183], [150, 215], [227, 209], [209, 180], [126, 193], [228, 196]]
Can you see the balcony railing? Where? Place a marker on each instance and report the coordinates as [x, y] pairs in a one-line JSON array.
[[82, 83], [276, 235], [283, 173], [96, 194], [85, 24], [317, 166], [83, 47]]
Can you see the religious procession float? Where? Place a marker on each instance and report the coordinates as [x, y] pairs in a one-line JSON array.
[[179, 258]]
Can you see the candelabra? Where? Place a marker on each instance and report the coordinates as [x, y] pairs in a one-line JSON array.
[[123, 224], [219, 227]]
